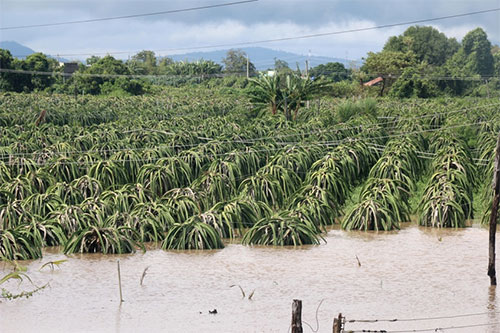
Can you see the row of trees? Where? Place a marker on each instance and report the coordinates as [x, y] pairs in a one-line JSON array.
[[423, 62], [105, 75], [35, 62]]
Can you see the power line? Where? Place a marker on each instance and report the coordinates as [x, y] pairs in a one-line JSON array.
[[435, 329], [339, 32], [201, 75], [4, 155], [332, 143], [425, 156], [225, 74], [421, 318], [129, 16], [340, 127]]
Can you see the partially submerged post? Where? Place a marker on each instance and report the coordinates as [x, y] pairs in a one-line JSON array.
[[494, 214], [297, 316], [120, 281], [337, 324]]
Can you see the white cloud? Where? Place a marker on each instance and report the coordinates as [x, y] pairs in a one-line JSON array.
[[199, 29], [458, 31], [167, 36]]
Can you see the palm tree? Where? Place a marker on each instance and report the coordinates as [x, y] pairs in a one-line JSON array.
[[288, 96], [267, 92]]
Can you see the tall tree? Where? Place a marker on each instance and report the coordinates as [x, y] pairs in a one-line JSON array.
[[236, 62], [281, 66], [103, 84], [144, 62], [427, 43], [389, 65], [477, 50], [92, 60], [496, 60], [6, 62], [333, 71], [37, 62], [474, 58]]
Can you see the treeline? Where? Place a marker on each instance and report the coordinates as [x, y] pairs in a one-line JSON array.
[[110, 76], [422, 62]]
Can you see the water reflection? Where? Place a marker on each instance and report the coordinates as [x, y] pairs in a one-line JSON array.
[[118, 319], [403, 274], [492, 308]]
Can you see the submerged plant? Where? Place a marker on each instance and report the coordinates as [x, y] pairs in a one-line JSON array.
[[103, 235], [282, 229], [194, 234], [18, 244]]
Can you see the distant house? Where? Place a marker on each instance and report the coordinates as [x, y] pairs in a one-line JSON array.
[[373, 82], [70, 67]]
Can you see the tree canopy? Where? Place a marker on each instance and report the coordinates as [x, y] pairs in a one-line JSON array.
[[333, 71], [236, 62], [420, 62], [427, 43], [474, 56], [144, 62]]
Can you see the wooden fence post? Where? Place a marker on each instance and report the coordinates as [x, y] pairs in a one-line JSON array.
[[493, 216], [120, 281], [337, 324], [297, 316]]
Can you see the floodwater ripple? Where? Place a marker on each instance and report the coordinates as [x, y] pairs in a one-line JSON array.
[[412, 273]]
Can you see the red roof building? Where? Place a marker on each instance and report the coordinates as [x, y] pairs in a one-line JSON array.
[[373, 82]]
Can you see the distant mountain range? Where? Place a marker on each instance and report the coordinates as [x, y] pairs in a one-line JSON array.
[[263, 58], [17, 50], [20, 51]]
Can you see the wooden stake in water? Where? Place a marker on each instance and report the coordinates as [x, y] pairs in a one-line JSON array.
[[120, 281], [297, 316], [337, 324], [493, 216]]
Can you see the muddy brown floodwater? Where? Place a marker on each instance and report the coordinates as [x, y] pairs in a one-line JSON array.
[[412, 273]]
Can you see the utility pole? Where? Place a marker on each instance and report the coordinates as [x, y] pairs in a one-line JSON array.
[[487, 87], [307, 78], [248, 67], [494, 214]]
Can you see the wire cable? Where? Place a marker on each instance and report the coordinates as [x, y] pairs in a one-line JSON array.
[[332, 143], [226, 74], [250, 141], [434, 329], [421, 318], [128, 16], [272, 40]]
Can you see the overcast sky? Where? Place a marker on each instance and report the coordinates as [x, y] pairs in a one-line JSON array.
[[265, 19]]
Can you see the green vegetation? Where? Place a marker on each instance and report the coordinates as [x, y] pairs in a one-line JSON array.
[[284, 95], [447, 200], [420, 63], [273, 160], [383, 201], [192, 168]]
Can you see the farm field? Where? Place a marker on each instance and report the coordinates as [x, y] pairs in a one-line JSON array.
[[109, 174], [179, 176]]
